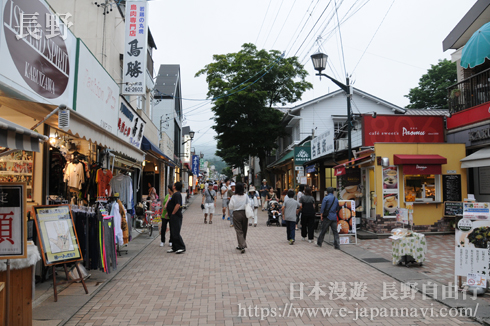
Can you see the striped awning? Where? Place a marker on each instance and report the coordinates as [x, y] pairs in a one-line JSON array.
[[15, 137]]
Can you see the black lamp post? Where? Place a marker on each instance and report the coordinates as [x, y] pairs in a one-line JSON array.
[[320, 62]]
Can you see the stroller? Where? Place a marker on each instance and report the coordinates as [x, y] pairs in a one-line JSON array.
[[274, 213]]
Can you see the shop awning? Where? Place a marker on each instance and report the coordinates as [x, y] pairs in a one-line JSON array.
[[418, 159], [420, 164], [286, 157], [477, 159], [15, 137], [148, 146], [340, 169]]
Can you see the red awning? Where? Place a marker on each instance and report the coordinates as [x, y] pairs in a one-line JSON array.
[[422, 169], [419, 159], [340, 169]]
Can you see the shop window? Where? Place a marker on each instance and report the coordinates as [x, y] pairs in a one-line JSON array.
[[422, 188], [330, 178]]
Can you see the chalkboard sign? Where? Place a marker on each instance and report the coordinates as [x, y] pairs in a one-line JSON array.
[[451, 187], [453, 208]]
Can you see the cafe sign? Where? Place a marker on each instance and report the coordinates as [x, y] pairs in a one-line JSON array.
[[302, 155], [402, 129]]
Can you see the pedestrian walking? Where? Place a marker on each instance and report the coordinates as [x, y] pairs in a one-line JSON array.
[[237, 205], [307, 207], [175, 210], [208, 203], [229, 194], [290, 209], [224, 202], [263, 193], [329, 218], [301, 188], [271, 195], [166, 217], [254, 203]]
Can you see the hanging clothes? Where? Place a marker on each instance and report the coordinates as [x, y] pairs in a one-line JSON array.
[[115, 212], [104, 177], [123, 185], [74, 175], [124, 223]]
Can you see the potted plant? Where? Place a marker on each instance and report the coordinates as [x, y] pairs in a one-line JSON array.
[[455, 93]]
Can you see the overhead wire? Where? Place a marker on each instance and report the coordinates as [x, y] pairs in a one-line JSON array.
[[372, 38], [260, 31], [340, 35], [313, 27], [282, 27], [273, 23], [309, 16]]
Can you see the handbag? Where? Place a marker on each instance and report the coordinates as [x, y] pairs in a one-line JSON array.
[[249, 212]]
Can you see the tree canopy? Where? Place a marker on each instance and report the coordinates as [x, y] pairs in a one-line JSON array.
[[432, 90], [245, 86]]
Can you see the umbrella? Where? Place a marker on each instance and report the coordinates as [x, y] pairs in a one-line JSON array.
[[477, 49]]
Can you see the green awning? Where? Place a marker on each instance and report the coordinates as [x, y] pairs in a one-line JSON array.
[[286, 157]]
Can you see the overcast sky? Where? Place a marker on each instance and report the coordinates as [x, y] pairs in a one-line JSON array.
[[408, 37]]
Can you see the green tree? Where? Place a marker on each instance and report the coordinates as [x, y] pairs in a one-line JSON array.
[[432, 90], [228, 172], [245, 86]]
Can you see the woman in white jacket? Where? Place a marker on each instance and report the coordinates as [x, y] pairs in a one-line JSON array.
[[237, 204], [254, 203]]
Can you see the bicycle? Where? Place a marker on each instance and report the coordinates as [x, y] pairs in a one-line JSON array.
[[150, 218]]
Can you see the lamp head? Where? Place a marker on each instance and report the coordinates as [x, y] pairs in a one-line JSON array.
[[191, 134], [319, 61]]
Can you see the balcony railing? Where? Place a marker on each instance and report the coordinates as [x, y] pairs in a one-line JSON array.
[[470, 92]]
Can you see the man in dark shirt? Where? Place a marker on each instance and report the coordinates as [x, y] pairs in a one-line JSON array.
[[329, 218], [263, 193], [175, 212]]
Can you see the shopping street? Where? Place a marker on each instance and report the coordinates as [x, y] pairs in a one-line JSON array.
[[210, 282]]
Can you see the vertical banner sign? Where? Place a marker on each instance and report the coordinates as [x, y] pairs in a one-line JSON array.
[[195, 164], [135, 48], [13, 224]]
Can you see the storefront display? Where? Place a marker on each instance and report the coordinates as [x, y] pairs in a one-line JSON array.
[[18, 166]]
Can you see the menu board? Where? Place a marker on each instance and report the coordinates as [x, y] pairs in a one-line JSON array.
[[59, 242], [346, 217], [471, 250], [453, 208], [390, 192], [451, 187]]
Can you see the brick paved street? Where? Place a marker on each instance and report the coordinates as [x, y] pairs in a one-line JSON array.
[[206, 285]]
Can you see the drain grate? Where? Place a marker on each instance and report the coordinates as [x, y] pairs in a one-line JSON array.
[[376, 260]]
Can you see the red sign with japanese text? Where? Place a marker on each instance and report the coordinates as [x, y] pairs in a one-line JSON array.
[[402, 129], [13, 221]]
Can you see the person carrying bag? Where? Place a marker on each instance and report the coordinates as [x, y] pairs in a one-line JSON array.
[[329, 218]]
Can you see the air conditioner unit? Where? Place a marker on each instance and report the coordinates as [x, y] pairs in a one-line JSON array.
[[341, 144]]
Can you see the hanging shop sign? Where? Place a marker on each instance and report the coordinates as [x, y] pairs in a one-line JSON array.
[[13, 221], [38, 52], [97, 95], [186, 158], [56, 231], [302, 155], [310, 169], [402, 129], [130, 126], [135, 48], [195, 164], [322, 145]]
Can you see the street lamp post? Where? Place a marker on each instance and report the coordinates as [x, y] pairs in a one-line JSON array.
[[320, 62]]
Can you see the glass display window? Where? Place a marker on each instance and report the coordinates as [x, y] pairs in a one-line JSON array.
[[18, 166], [422, 188]]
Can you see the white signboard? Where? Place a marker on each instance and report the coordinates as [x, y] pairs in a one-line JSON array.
[[476, 211], [130, 126], [135, 48], [322, 145], [478, 280], [13, 237], [97, 96], [186, 158], [471, 253], [38, 53]]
